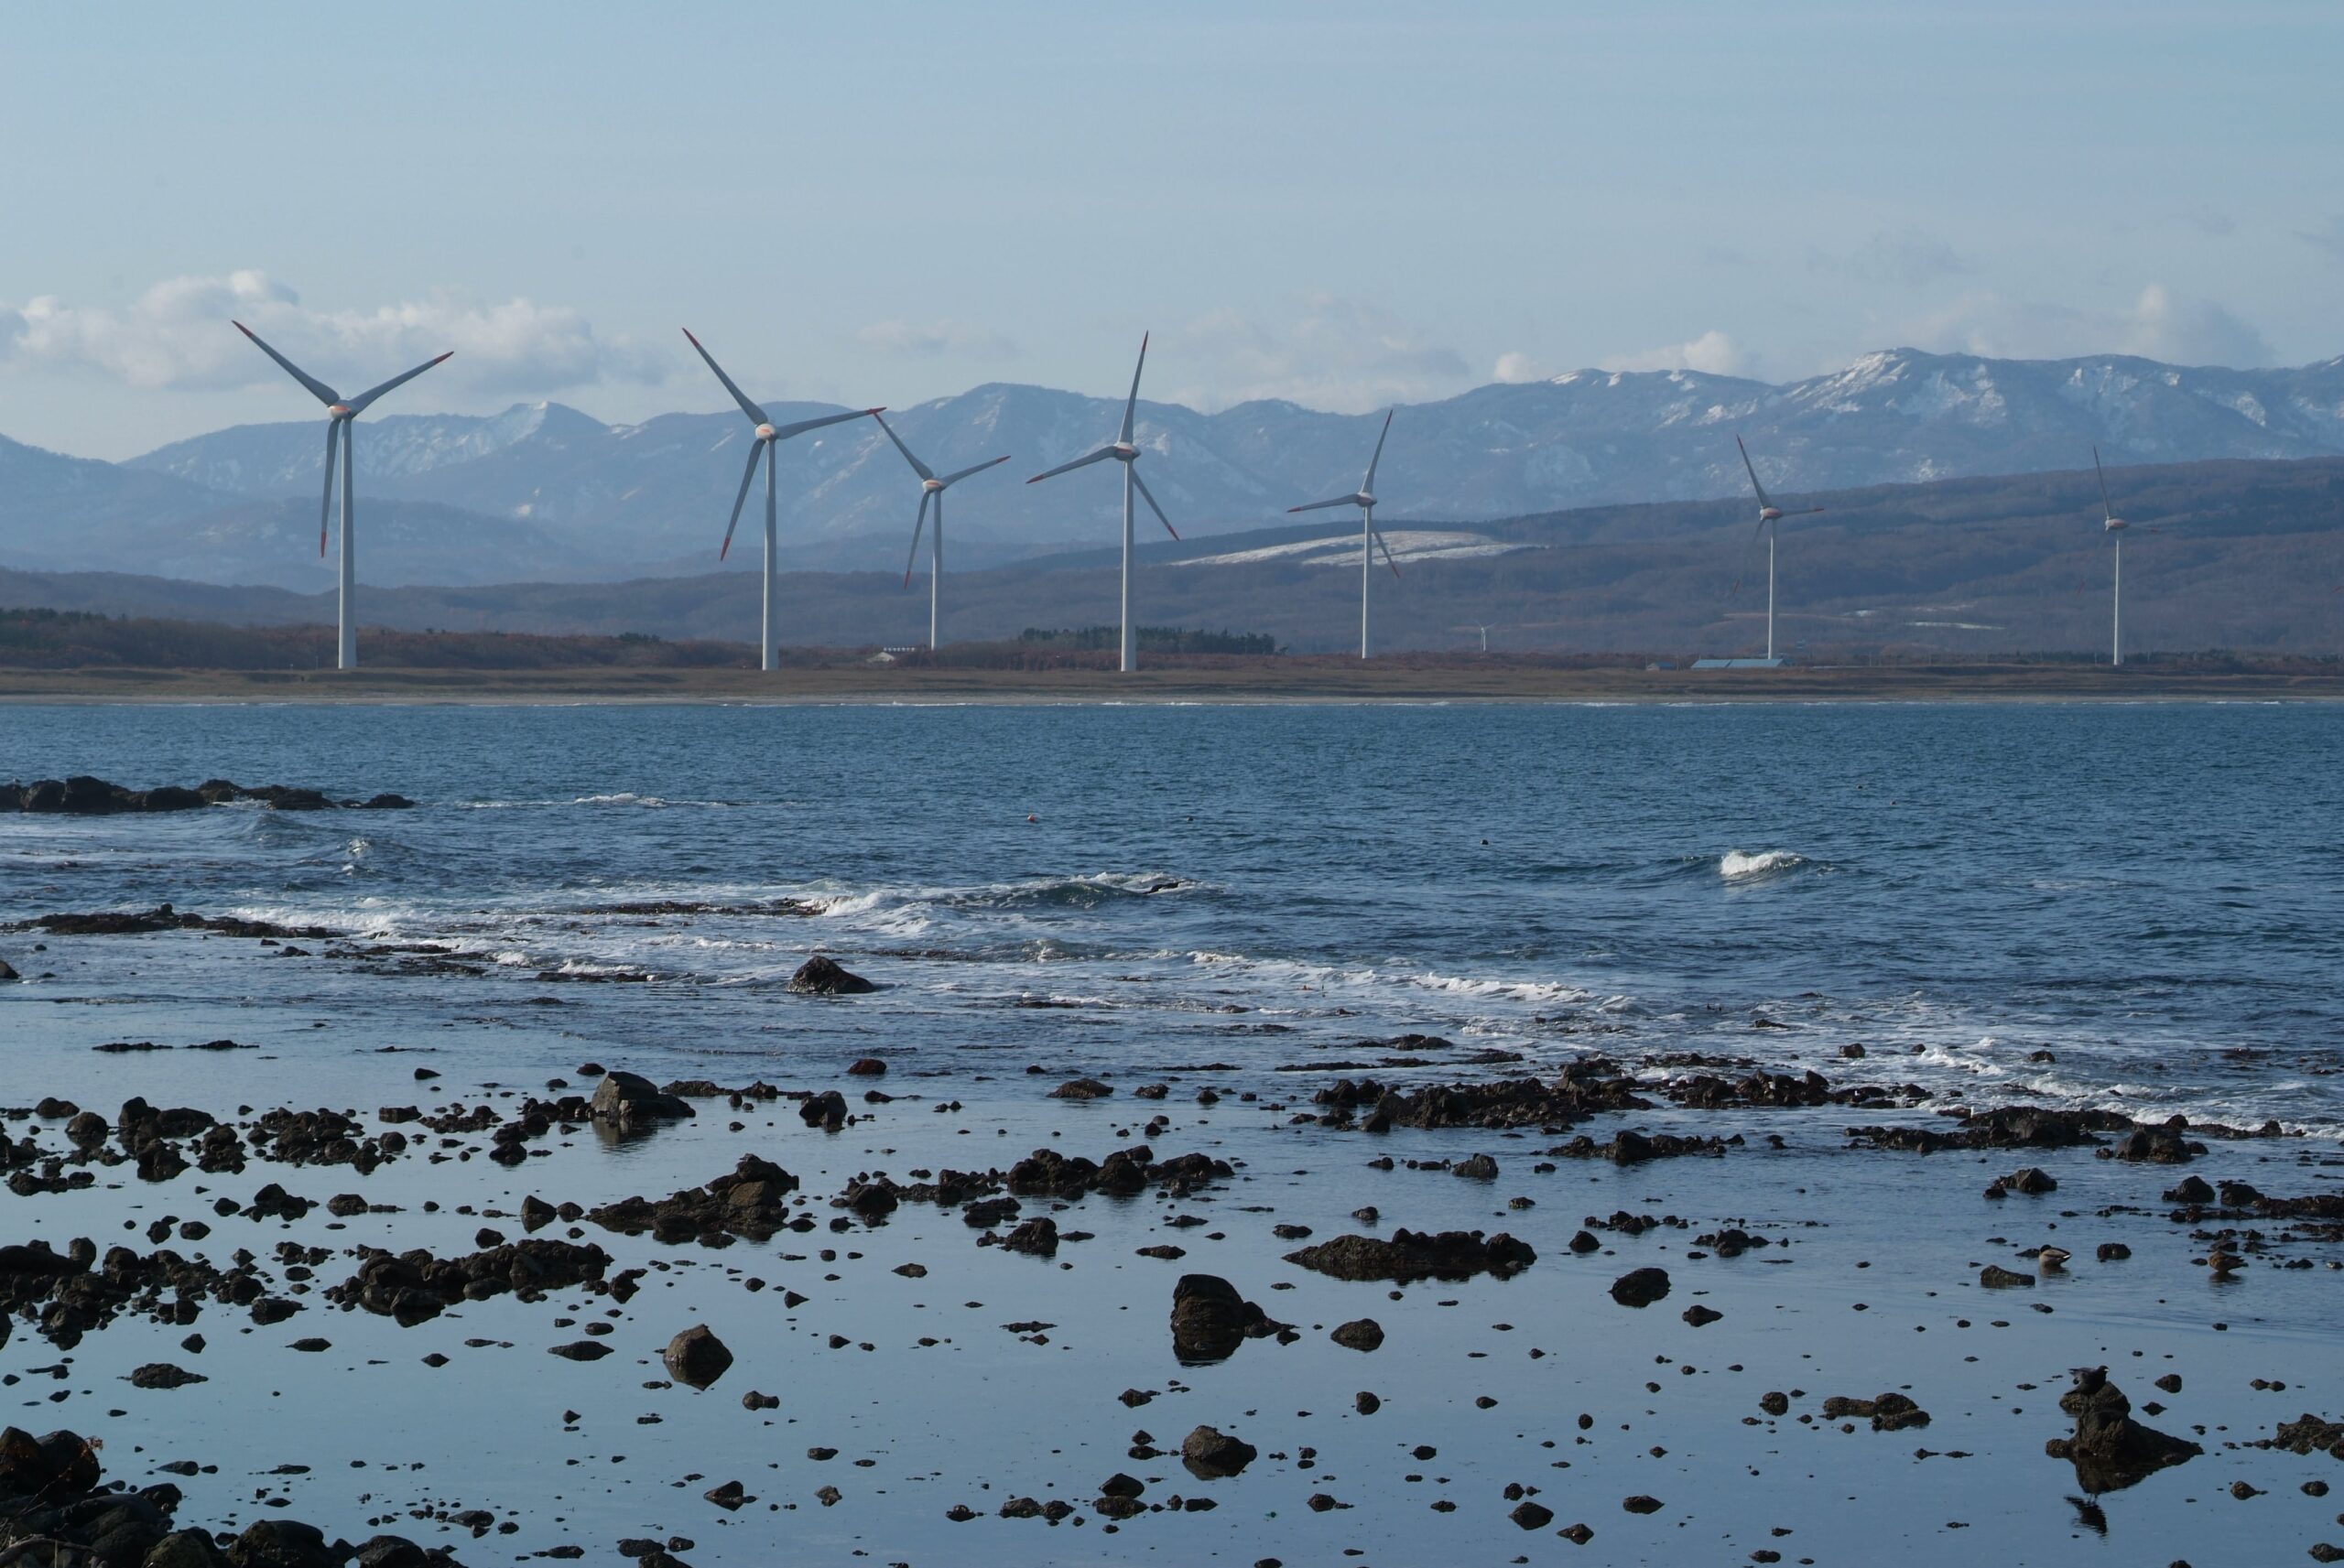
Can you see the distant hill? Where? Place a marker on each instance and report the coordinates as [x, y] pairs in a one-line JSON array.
[[2251, 556], [456, 499]]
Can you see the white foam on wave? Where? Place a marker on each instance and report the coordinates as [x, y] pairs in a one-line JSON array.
[[1736, 866]]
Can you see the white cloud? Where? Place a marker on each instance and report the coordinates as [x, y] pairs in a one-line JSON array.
[[926, 340], [1514, 368], [176, 336], [2158, 325], [1712, 353], [1343, 355]]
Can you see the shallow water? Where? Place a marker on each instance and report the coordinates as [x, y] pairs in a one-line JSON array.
[[1215, 895]]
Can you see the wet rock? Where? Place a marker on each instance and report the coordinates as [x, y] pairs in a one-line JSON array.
[[1700, 1316], [696, 1357], [2112, 1252], [1037, 1237], [729, 1495], [2155, 1145], [1412, 1255], [185, 1548], [1640, 1287], [282, 1543], [163, 1375], [1641, 1504], [1082, 1088], [1478, 1168], [1211, 1455], [2110, 1450], [2032, 1180], [866, 1067], [826, 1110], [1361, 1333], [822, 976], [753, 1400], [750, 1202], [1578, 1534], [1994, 1277], [2307, 1434], [628, 1102], [412, 1287], [1888, 1413], [1532, 1515], [2004, 1127], [1366, 1403], [579, 1350], [1584, 1090]]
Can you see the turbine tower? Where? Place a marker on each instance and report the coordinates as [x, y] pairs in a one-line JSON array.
[[2114, 526], [340, 414], [769, 436], [1769, 514], [1364, 499], [1124, 452], [930, 489]]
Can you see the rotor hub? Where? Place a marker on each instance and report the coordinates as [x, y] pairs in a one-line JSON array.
[[1770, 514], [341, 411], [931, 486], [765, 432], [1125, 451], [2114, 524]]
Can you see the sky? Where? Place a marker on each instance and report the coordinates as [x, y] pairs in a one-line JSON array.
[[1343, 205]]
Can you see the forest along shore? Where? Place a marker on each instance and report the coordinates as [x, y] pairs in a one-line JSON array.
[[1381, 1302]]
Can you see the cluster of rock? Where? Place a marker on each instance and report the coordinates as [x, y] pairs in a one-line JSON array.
[[2110, 1450], [414, 1287], [70, 1294], [1411, 1255], [1210, 1320], [751, 1202], [83, 795], [2040, 1127]]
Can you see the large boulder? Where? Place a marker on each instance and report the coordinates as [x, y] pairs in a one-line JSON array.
[[2110, 1450], [697, 1357], [1210, 1320], [625, 1101], [1213, 1455], [823, 976], [1417, 1255]]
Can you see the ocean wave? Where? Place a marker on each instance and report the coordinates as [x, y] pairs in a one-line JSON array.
[[1735, 866]]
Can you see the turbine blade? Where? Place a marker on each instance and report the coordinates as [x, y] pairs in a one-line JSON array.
[[919, 523], [756, 449], [1130, 403], [2107, 512], [919, 467], [318, 389], [1754, 473], [1804, 512], [358, 404], [1102, 455], [1367, 485], [782, 433], [1388, 561], [333, 448], [757, 415], [1153, 507], [975, 468], [1321, 505]]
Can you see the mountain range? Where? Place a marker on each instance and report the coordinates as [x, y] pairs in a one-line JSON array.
[[543, 492]]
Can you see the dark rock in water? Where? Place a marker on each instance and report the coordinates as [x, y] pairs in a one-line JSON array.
[[822, 976], [2032, 1180], [392, 1551], [1532, 1515], [1210, 1320], [1366, 1403], [1120, 1485], [753, 1400], [1584, 1088], [8, 972], [1700, 1316], [1417, 1255], [1889, 1413], [2112, 1252], [2193, 1190], [729, 1495], [284, 1544], [2110, 1450], [2006, 1127], [1360, 1334], [412, 1287], [625, 1101], [386, 802], [1640, 1287], [186, 1549], [2307, 1434], [750, 1202], [696, 1357], [1994, 1277], [1576, 1534], [163, 1375], [1478, 1168], [1082, 1088], [826, 1110], [866, 1067], [60, 1462], [2156, 1146], [579, 1350], [1641, 1504], [1038, 1236], [1212, 1454]]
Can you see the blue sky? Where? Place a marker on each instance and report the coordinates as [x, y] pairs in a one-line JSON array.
[[1344, 205]]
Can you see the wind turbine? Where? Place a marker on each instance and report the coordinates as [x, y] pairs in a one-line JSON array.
[[1768, 516], [930, 489], [1364, 499], [2114, 525], [769, 436], [1124, 452], [340, 414]]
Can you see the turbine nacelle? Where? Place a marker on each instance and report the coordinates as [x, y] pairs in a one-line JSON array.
[[1770, 514], [341, 411], [1125, 453], [931, 486], [2114, 524], [766, 432]]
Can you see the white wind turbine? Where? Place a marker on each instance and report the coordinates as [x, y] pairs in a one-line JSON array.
[[2115, 526], [931, 488], [769, 436], [1768, 516], [1124, 452], [1364, 499], [340, 414]]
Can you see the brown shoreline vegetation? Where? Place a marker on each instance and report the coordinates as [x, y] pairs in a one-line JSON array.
[[834, 677]]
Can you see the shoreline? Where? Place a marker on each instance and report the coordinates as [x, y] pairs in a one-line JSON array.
[[1398, 682]]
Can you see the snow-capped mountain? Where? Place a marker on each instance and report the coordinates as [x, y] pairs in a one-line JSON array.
[[550, 485]]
